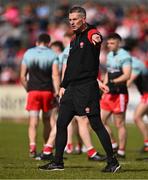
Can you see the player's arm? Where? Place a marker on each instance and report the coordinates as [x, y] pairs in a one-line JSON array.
[[64, 66], [62, 89], [56, 78], [105, 81], [103, 86], [136, 71], [63, 69], [23, 75], [133, 77], [124, 77]]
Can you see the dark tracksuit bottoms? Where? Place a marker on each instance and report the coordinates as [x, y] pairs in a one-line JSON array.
[[67, 111]]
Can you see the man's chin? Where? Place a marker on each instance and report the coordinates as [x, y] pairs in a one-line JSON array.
[[75, 30]]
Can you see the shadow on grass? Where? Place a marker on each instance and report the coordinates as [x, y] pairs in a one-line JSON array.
[[134, 170], [80, 167], [142, 159], [67, 167], [2, 157]]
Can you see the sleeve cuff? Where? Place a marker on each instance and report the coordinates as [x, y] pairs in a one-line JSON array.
[[92, 32]]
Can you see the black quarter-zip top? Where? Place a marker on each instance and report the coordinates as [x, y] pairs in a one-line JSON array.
[[83, 59]]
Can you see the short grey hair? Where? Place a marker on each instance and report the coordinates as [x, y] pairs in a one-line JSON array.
[[78, 9]]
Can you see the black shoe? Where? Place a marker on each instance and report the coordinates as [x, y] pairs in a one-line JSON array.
[[144, 149], [142, 159], [44, 157], [112, 166], [52, 166], [119, 156], [97, 157]]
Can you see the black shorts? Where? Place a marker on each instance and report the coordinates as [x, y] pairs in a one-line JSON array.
[[83, 99]]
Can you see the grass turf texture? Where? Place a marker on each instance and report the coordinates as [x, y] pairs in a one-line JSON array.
[[16, 164]]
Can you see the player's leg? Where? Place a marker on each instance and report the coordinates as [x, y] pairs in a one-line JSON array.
[[47, 98], [49, 121], [46, 125], [119, 120], [141, 110], [33, 107], [46, 153], [119, 111], [32, 131], [79, 146], [69, 145], [53, 120], [105, 116], [107, 105], [83, 125]]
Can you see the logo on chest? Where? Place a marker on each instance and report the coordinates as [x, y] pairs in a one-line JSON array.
[[81, 44]]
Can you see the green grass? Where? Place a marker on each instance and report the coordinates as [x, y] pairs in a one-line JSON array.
[[15, 163]]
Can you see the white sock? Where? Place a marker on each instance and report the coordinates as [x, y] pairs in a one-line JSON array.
[[114, 145], [32, 144], [121, 152], [146, 143]]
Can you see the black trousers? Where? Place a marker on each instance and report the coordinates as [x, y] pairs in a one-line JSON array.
[[72, 99]]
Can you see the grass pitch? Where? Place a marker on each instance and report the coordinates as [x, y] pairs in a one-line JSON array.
[[16, 164]]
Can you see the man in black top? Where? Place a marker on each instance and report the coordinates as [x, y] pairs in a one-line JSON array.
[[79, 93]]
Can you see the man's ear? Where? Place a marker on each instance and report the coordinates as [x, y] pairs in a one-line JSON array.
[[84, 20]]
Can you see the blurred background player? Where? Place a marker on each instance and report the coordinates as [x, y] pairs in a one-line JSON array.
[[58, 48], [115, 102], [140, 77], [39, 74], [46, 154]]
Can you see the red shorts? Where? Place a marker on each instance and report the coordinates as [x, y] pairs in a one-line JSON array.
[[40, 100], [115, 103], [144, 98]]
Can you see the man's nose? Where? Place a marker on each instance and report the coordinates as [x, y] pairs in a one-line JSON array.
[[72, 23]]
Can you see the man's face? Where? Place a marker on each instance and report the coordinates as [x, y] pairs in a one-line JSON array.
[[113, 44], [76, 21], [56, 49]]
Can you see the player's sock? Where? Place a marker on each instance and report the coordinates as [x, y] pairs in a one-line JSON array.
[[78, 148], [84, 148], [69, 148], [121, 152], [114, 145], [146, 145], [146, 142], [47, 149], [91, 152], [32, 147]]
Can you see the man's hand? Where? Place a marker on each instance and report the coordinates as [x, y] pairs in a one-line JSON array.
[[96, 38], [103, 87], [61, 92]]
